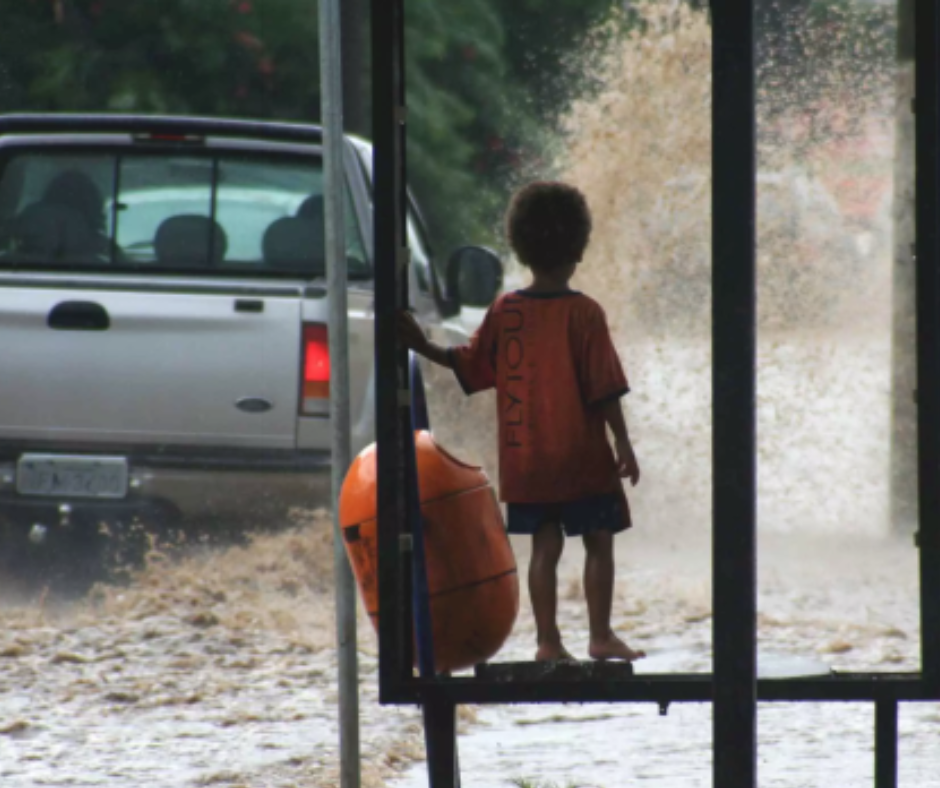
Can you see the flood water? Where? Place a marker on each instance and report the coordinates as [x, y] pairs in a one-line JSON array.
[[215, 667]]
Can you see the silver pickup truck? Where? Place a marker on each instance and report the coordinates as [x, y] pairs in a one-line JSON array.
[[163, 339]]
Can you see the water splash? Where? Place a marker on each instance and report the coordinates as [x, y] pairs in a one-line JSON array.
[[638, 143]]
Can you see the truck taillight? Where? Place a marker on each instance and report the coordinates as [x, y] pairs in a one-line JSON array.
[[315, 390]]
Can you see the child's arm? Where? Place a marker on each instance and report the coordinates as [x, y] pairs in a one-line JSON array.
[[626, 459], [413, 337]]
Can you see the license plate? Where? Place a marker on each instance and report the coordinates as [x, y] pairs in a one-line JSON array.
[[57, 475]]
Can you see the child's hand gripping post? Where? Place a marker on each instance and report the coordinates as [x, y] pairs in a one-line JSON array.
[[412, 336], [410, 333]]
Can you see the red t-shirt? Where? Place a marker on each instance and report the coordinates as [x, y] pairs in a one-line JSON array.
[[553, 364]]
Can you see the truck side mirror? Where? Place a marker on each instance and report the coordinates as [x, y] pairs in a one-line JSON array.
[[474, 276]]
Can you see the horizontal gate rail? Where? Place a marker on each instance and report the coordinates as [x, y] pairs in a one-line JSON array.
[[668, 687]]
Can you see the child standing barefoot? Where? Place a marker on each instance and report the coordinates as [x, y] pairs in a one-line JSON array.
[[548, 352]]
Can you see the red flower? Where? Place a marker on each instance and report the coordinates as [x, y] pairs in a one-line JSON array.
[[244, 7]]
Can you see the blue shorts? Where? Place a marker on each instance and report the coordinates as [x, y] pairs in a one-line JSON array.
[[599, 513]]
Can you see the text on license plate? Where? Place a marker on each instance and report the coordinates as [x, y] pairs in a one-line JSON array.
[[71, 476]]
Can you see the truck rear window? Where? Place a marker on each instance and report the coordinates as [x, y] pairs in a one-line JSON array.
[[213, 213]]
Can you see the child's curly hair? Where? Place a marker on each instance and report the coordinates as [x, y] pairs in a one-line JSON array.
[[548, 225]]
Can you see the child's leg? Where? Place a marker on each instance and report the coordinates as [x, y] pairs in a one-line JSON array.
[[547, 545], [599, 591]]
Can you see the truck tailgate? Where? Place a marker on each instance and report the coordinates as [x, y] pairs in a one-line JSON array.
[[210, 368]]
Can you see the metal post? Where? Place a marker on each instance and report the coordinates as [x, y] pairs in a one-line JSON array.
[[927, 45], [903, 465], [421, 597], [886, 744], [391, 362], [733, 391], [334, 183], [440, 727]]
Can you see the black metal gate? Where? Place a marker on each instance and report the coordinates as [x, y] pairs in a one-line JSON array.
[[733, 687]]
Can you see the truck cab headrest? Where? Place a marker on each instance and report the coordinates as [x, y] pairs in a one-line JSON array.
[[312, 208], [183, 242], [295, 244]]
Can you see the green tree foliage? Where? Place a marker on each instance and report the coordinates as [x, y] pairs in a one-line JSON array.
[[195, 56], [484, 80], [482, 76], [541, 36], [463, 102]]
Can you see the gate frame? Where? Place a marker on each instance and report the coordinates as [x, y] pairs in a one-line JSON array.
[[733, 687]]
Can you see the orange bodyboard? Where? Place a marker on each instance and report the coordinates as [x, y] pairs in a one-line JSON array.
[[472, 579]]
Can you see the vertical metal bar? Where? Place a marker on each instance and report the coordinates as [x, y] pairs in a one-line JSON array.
[[388, 207], [334, 189], [440, 731], [412, 495], [903, 463], [733, 391], [213, 209], [927, 184], [421, 597], [886, 744], [115, 208]]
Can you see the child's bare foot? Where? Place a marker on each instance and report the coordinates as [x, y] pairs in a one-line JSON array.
[[552, 652], [613, 647]]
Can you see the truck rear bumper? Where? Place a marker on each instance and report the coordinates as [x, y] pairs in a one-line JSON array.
[[234, 490]]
